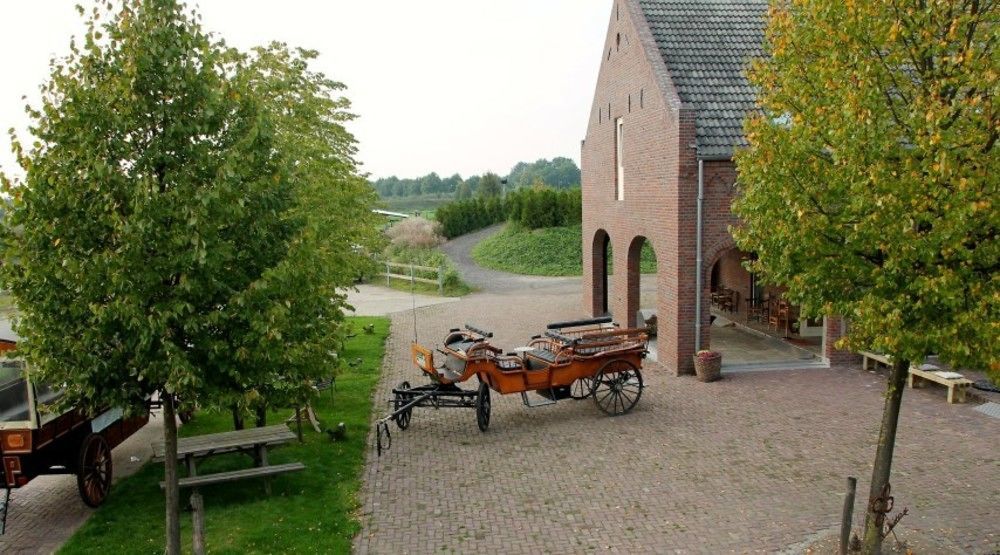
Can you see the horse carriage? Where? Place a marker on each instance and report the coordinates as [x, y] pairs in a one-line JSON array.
[[35, 441], [579, 359]]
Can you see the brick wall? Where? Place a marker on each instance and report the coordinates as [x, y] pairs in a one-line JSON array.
[[661, 192], [659, 169]]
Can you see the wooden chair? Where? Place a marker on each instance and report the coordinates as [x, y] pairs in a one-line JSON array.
[[778, 315], [757, 310]]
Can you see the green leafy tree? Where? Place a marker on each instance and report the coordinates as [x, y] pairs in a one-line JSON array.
[[124, 243], [292, 314], [869, 184], [185, 218], [489, 186], [450, 184], [463, 191]]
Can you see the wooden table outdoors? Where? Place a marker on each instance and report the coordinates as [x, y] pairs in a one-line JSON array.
[[254, 441]]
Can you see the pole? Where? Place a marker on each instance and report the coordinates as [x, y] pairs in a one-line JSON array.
[[698, 260], [441, 280], [387, 272], [848, 514], [198, 523]]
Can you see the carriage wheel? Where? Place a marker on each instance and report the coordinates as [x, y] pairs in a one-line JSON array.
[[483, 406], [403, 419], [617, 387], [580, 389], [93, 475]]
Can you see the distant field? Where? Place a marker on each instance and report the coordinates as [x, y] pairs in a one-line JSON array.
[[552, 251], [426, 204]]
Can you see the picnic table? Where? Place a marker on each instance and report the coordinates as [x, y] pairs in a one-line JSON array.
[[253, 441]]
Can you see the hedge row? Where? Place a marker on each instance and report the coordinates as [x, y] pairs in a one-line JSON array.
[[530, 208]]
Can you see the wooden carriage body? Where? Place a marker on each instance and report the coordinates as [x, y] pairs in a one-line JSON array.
[[35, 441], [564, 354], [581, 359]]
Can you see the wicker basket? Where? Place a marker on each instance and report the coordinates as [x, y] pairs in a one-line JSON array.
[[708, 366]]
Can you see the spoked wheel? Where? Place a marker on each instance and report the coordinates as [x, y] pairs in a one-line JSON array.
[[93, 476], [483, 406], [402, 419], [580, 389], [617, 387]]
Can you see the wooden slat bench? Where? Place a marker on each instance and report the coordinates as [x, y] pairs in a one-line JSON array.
[[957, 386], [867, 356], [234, 475]]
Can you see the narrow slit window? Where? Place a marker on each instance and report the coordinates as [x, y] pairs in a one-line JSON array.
[[619, 159]]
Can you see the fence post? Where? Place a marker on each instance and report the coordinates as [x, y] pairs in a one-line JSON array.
[[845, 522], [412, 283], [441, 280], [387, 274]]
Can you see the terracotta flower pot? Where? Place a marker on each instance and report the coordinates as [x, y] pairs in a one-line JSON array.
[[708, 366]]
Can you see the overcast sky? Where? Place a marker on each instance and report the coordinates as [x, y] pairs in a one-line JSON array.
[[440, 85]]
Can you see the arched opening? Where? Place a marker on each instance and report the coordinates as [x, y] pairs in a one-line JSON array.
[[751, 322], [601, 257], [642, 299]]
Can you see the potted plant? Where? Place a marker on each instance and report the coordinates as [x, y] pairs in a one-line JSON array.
[[708, 365]]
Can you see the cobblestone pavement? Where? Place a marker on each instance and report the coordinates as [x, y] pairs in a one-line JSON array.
[[754, 463], [46, 512]]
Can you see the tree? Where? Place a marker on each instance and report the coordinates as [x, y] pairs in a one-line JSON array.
[[559, 173], [430, 183], [463, 191], [288, 319], [868, 185], [173, 233], [489, 186], [450, 184]]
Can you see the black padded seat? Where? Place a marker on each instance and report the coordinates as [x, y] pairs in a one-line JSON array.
[[460, 345], [544, 354]]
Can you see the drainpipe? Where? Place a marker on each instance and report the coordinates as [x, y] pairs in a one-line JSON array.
[[698, 261]]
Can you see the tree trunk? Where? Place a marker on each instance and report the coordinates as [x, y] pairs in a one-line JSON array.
[[237, 418], [883, 453], [261, 416], [170, 467]]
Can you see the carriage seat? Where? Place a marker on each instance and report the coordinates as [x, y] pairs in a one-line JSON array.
[[458, 343], [539, 359]]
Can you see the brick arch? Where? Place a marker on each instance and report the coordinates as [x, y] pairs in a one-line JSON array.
[[600, 242], [634, 277], [711, 255]]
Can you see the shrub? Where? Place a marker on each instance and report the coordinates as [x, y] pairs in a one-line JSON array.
[[534, 208], [417, 233]]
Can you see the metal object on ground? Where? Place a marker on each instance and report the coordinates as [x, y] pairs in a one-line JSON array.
[[577, 359]]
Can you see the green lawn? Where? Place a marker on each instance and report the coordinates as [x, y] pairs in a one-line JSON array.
[[552, 251], [314, 511]]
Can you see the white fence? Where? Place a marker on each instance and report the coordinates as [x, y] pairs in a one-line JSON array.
[[408, 272]]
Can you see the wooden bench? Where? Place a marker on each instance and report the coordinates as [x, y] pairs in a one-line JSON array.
[[957, 386], [234, 475], [867, 356]]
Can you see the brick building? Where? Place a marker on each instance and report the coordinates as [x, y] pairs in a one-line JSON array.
[[657, 166]]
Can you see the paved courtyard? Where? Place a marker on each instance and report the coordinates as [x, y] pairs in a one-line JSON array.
[[754, 463]]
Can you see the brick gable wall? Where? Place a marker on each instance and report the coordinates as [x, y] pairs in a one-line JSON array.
[[660, 200]]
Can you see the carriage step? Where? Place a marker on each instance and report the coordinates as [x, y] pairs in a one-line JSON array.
[[543, 402]]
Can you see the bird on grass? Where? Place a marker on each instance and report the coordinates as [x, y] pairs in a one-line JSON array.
[[338, 434]]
